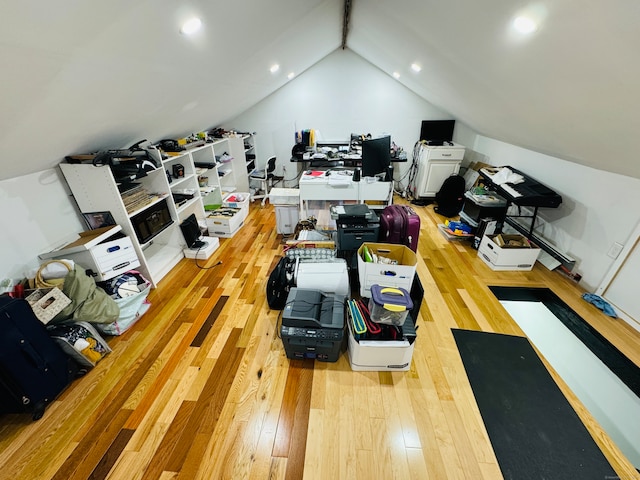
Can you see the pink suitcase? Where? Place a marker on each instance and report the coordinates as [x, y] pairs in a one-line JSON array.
[[400, 224]]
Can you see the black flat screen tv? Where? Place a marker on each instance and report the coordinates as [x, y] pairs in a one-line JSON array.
[[376, 156], [436, 132], [191, 232]]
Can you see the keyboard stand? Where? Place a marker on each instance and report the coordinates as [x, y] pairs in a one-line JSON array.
[[513, 197]]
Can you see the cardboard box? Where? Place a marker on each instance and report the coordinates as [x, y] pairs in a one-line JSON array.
[[508, 252], [380, 355], [225, 222], [387, 275], [87, 239], [92, 251]]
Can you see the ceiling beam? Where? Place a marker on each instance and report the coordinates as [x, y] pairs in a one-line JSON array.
[[345, 22]]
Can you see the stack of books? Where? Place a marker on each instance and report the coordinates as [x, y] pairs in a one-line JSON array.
[[136, 197]]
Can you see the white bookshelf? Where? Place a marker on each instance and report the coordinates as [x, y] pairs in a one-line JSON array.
[[95, 190]]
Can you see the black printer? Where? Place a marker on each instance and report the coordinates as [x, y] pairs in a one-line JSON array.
[[356, 224], [313, 325]]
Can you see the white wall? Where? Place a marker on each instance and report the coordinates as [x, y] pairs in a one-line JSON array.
[[340, 95], [343, 93], [37, 215], [598, 208]]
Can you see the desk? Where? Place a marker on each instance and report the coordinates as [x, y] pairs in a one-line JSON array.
[[347, 160], [338, 186]]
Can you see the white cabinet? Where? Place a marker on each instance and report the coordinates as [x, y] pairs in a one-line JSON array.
[[435, 164], [162, 201]]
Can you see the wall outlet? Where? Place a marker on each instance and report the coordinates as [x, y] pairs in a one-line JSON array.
[[615, 250]]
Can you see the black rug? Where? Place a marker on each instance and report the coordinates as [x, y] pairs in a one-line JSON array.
[[534, 431]]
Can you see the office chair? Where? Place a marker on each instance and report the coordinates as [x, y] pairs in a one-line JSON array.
[[266, 177]]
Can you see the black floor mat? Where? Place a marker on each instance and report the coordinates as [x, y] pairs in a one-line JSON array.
[[534, 431]]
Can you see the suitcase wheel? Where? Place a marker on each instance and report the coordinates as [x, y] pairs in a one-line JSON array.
[[38, 411]]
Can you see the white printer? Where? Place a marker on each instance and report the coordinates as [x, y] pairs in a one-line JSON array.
[[328, 276]]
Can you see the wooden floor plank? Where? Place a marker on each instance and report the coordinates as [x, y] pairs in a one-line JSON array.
[[200, 387]]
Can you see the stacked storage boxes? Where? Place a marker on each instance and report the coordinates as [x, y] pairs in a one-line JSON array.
[[386, 282], [104, 251]]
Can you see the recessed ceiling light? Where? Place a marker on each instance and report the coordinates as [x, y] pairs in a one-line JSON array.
[[396, 75], [274, 68], [191, 26], [291, 75], [525, 25], [415, 67]]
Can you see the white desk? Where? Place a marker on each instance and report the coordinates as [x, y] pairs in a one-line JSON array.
[[338, 186]]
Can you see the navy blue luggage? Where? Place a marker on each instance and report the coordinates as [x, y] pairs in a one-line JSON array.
[[34, 370], [400, 224]]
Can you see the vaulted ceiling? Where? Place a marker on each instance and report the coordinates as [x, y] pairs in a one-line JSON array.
[[80, 75]]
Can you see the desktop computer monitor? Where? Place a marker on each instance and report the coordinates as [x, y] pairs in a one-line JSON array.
[[191, 232], [376, 156], [436, 132]]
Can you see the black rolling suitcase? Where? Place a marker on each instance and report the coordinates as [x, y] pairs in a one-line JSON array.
[[34, 370]]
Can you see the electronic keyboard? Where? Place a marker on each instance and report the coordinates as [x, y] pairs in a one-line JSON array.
[[529, 193]]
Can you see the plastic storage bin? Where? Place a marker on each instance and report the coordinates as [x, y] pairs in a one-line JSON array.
[[284, 196], [236, 200], [389, 305]]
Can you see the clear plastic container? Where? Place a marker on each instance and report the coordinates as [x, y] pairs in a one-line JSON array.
[[389, 305]]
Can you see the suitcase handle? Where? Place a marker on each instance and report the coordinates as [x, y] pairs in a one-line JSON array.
[[33, 356]]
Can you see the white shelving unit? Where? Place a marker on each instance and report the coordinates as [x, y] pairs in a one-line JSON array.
[[249, 143], [95, 190], [251, 161], [231, 174]]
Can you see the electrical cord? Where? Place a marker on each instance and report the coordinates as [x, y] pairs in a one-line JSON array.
[[201, 266], [207, 268], [413, 169]]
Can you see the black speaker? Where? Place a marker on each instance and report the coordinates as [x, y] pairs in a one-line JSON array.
[[356, 175]]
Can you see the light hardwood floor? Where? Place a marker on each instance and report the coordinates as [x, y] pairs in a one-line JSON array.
[[200, 387]]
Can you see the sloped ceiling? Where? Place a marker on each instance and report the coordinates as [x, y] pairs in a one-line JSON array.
[[83, 75]]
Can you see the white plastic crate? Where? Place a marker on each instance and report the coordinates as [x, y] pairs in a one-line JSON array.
[[236, 200]]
